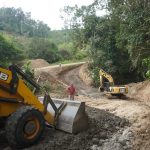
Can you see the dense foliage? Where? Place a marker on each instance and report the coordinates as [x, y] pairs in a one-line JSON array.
[[146, 66], [16, 21], [35, 38], [118, 42], [43, 48], [8, 53]]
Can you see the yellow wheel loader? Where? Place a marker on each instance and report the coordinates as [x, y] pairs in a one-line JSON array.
[[107, 85], [25, 115]]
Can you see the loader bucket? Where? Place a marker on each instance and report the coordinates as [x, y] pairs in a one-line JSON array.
[[73, 118]]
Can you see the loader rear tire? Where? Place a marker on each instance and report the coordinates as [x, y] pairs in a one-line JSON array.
[[24, 127]]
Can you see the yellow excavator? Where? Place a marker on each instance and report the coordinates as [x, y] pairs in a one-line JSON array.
[[25, 115], [107, 85]]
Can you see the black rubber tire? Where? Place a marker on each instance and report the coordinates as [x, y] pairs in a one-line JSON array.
[[2, 122], [15, 126]]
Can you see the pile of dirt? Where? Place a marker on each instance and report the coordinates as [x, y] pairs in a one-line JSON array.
[[106, 131], [66, 68], [140, 91], [102, 127], [85, 75], [37, 63], [51, 84], [72, 77], [109, 128]]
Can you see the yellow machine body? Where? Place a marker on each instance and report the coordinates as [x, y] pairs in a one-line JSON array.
[[24, 96], [16, 96], [111, 88], [118, 90]]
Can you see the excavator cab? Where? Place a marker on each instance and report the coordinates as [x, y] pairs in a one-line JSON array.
[[25, 114]]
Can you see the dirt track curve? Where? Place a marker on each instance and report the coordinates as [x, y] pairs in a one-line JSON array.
[[72, 76], [113, 124]]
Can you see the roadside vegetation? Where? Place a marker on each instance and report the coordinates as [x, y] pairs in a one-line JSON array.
[[35, 39], [118, 42]]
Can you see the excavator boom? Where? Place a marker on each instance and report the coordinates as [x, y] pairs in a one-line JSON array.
[[104, 74]]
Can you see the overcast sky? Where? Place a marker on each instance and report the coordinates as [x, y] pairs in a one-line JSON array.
[[45, 10]]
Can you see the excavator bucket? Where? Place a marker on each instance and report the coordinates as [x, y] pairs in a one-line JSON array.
[[72, 118]]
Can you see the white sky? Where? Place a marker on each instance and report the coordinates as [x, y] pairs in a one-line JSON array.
[[47, 11]]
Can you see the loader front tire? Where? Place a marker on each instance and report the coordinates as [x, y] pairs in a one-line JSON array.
[[24, 127]]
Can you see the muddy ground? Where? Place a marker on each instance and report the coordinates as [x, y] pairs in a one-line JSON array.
[[114, 124], [106, 131]]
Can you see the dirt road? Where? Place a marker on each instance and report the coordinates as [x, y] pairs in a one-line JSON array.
[[72, 76], [133, 133], [113, 124], [136, 112]]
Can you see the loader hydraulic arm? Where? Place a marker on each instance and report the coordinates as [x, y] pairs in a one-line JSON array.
[[14, 90], [17, 70], [26, 114], [10, 77]]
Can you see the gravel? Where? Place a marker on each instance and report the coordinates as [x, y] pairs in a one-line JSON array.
[[106, 132]]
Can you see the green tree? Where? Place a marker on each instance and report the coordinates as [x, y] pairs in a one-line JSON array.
[[8, 53], [132, 18], [119, 41], [42, 48], [146, 67], [16, 21]]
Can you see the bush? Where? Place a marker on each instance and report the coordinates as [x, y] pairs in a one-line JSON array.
[[45, 87], [29, 72], [146, 67], [67, 46], [95, 76], [42, 48], [65, 55], [8, 52], [80, 55]]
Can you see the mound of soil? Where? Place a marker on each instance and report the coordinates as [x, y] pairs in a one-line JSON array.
[[47, 81], [102, 126], [140, 91], [85, 75], [106, 131], [38, 63]]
